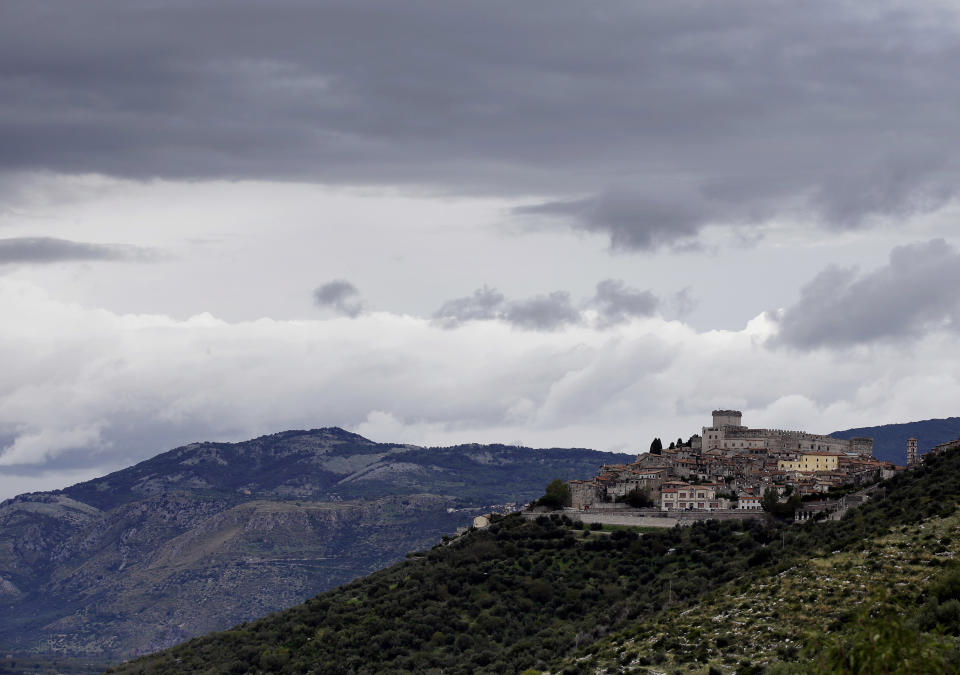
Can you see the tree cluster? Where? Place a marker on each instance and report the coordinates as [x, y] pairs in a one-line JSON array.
[[556, 496]]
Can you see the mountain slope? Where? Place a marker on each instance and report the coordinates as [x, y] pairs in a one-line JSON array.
[[890, 440], [542, 594], [210, 534]]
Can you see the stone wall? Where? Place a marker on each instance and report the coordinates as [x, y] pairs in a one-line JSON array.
[[653, 518]]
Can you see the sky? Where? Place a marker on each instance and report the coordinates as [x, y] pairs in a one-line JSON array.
[[553, 223]]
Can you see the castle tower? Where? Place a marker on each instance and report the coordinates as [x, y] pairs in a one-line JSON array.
[[912, 452], [862, 445], [727, 418]]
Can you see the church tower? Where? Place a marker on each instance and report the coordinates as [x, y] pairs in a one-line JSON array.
[[912, 459]]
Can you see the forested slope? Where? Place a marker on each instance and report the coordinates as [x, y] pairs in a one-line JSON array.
[[542, 594]]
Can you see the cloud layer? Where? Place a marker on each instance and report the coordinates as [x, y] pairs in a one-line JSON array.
[[644, 122], [45, 250]]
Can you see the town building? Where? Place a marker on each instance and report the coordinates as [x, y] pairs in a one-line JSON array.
[[811, 461]]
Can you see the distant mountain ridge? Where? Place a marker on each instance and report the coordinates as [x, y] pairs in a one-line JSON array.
[[890, 440], [210, 534]]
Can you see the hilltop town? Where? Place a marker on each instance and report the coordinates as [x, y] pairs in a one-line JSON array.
[[730, 466]]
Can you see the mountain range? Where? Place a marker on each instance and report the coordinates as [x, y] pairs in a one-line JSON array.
[[890, 440], [211, 534]]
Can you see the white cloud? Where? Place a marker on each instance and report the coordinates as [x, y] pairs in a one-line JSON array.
[[36, 447], [87, 388]]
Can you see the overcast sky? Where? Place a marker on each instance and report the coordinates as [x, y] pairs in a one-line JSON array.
[[553, 223]]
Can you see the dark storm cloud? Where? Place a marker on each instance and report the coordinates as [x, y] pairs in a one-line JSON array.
[[614, 303], [39, 250], [339, 295], [644, 122], [617, 303], [485, 304], [543, 312], [914, 293], [632, 219]]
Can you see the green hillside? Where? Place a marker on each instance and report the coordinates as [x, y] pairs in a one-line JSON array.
[[870, 593]]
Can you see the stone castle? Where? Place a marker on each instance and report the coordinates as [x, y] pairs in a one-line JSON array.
[[728, 433]]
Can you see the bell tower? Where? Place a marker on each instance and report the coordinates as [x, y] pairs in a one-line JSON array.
[[912, 459]]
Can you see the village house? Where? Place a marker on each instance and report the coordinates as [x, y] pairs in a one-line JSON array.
[[943, 447]]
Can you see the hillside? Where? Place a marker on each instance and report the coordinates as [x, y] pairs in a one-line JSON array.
[[205, 536], [796, 617], [719, 596], [890, 440]]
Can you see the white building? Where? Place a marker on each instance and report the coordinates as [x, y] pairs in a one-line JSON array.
[[687, 497]]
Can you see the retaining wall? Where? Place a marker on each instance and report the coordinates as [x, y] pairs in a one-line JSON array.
[[653, 518]]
